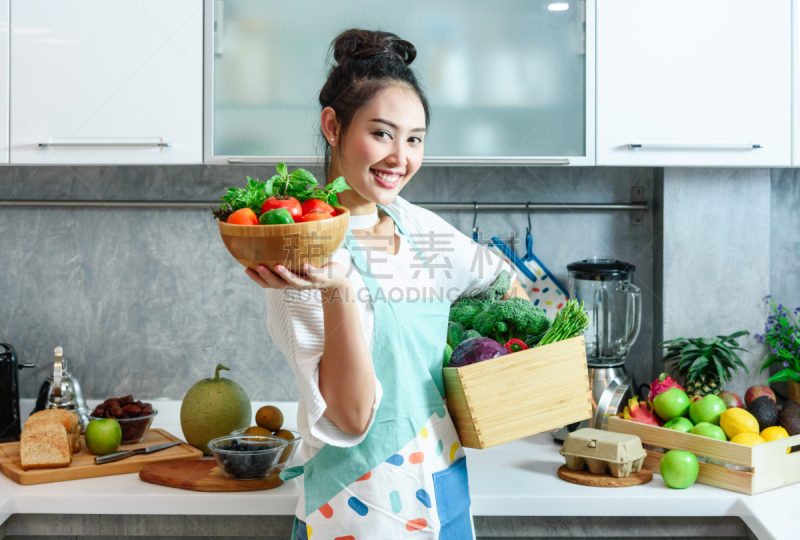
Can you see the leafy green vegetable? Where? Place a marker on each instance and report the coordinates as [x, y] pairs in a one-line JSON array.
[[570, 322], [299, 184], [513, 318], [464, 311]]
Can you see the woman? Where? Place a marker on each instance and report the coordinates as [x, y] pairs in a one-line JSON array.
[[365, 334]]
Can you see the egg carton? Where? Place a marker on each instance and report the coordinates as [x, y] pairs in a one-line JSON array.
[[600, 450]]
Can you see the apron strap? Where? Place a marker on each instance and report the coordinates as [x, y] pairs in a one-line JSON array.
[[291, 472]]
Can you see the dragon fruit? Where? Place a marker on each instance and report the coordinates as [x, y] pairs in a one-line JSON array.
[[661, 385], [640, 412]]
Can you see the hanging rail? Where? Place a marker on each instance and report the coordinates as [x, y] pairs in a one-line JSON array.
[[636, 206]]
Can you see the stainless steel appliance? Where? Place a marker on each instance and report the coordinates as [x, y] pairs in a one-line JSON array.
[[605, 286], [10, 427], [62, 390]]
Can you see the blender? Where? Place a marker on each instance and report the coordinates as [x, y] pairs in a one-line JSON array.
[[614, 304]]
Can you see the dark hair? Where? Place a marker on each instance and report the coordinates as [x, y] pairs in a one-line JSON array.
[[366, 62]]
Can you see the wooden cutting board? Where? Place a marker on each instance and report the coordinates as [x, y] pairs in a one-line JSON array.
[[585, 478], [203, 476], [83, 465]]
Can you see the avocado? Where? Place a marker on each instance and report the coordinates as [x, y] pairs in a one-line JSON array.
[[788, 404], [765, 411], [790, 420]]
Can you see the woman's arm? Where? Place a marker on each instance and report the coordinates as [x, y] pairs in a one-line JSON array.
[[516, 291], [346, 374]]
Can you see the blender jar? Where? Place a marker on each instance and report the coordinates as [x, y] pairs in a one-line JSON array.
[[614, 305]]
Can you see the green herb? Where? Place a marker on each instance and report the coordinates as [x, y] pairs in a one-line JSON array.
[[782, 335], [570, 322], [299, 184]]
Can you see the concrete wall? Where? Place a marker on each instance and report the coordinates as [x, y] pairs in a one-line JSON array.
[[148, 301]]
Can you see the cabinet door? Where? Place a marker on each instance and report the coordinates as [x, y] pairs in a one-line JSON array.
[[694, 82], [507, 81], [4, 104], [106, 81]]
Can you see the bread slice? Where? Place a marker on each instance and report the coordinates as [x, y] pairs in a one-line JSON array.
[[45, 445], [68, 419]]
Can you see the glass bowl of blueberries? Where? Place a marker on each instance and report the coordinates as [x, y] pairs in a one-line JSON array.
[[247, 457]]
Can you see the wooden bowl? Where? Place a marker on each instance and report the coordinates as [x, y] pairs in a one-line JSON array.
[[291, 245]]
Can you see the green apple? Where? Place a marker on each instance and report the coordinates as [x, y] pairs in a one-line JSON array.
[[707, 409], [681, 424], [671, 404], [679, 469], [103, 436], [706, 429]]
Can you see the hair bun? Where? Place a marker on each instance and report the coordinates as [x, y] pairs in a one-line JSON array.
[[362, 44]]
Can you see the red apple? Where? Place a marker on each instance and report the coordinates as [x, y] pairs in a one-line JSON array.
[[731, 400], [695, 398], [757, 391]]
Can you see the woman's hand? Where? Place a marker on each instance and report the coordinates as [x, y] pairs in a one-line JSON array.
[[325, 278]]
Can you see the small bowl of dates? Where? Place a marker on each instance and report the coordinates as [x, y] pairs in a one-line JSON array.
[[134, 417], [247, 457]]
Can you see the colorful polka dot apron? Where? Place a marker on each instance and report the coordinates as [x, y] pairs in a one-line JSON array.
[[408, 477]]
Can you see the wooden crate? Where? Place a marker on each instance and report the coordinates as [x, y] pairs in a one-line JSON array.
[[519, 394], [771, 467]]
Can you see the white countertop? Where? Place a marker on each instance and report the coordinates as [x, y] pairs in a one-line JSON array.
[[514, 479]]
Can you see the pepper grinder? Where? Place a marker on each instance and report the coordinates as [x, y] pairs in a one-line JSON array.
[[63, 391]]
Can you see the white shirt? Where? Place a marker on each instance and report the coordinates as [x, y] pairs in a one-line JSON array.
[[459, 267]]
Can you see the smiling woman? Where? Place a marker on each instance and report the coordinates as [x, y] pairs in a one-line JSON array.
[[382, 456]]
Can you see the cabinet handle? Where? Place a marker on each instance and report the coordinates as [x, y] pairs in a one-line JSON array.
[[105, 144], [695, 145], [453, 161]]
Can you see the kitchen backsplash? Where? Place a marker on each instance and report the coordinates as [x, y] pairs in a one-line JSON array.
[[148, 301]]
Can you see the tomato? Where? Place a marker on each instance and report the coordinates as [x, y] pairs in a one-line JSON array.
[[316, 205], [244, 216], [315, 216], [289, 203], [276, 216]]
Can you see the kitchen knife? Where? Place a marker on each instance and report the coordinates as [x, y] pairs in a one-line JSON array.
[[99, 460]]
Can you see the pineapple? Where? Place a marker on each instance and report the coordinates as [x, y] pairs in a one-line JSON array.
[[702, 386], [705, 363]]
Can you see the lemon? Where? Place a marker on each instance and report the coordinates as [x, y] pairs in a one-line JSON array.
[[774, 433], [735, 421], [747, 439]]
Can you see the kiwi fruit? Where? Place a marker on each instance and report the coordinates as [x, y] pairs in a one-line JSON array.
[[269, 417], [257, 430], [284, 434]]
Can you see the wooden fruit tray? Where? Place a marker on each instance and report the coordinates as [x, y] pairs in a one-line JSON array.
[[519, 394], [770, 465], [83, 465]]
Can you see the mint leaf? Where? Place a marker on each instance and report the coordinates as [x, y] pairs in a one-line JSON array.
[[338, 185], [303, 176], [283, 170]]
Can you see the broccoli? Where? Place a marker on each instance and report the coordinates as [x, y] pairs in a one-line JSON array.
[[512, 318], [465, 310]]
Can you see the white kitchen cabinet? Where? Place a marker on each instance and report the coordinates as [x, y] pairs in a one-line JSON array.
[[4, 81], [694, 82], [509, 83], [106, 81]]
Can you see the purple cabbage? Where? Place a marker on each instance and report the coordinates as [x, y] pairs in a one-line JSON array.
[[474, 350]]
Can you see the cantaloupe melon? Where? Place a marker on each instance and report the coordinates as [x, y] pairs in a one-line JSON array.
[[213, 408]]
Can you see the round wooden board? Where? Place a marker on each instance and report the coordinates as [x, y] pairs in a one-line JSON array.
[[585, 478], [203, 475]]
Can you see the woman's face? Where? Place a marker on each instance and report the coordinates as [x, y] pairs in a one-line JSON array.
[[383, 147]]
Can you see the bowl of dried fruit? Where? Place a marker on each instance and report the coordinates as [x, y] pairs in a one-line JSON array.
[[134, 417], [287, 220]]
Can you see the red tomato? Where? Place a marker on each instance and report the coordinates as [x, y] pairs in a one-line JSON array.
[[315, 216], [244, 216], [316, 205], [290, 203]]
